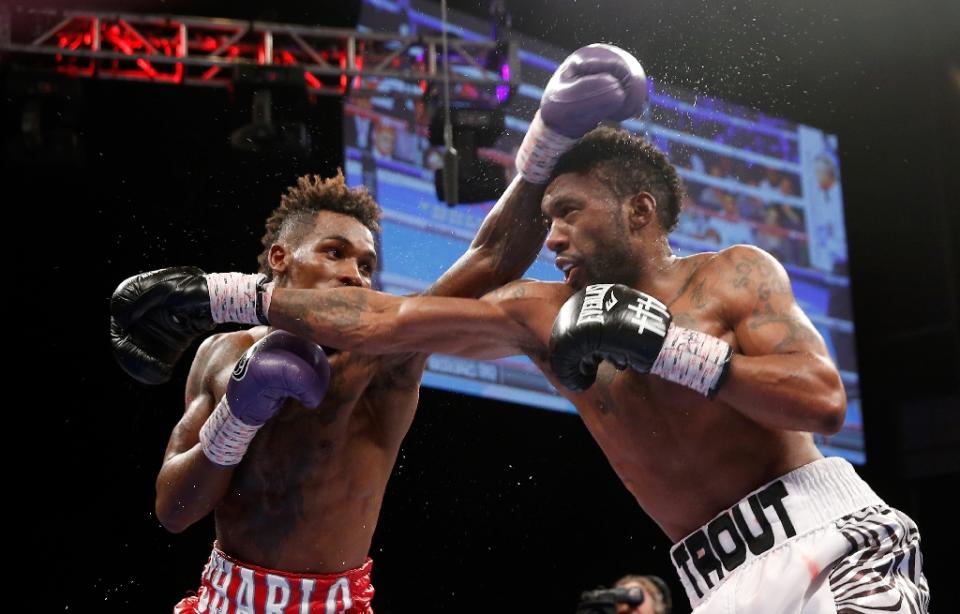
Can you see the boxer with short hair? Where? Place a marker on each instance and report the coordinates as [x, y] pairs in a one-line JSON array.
[[700, 377], [301, 491]]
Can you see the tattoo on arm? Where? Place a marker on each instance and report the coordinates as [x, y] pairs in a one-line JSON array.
[[766, 299], [754, 269], [512, 292], [796, 331], [744, 271], [338, 310]]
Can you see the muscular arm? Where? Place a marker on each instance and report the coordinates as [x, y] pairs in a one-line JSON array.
[[506, 245], [359, 320], [782, 376], [189, 486]]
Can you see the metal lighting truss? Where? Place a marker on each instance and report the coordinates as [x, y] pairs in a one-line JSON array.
[[204, 51]]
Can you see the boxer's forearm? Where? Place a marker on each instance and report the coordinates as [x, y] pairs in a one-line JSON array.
[[795, 392], [505, 246], [350, 319], [189, 487], [359, 320]]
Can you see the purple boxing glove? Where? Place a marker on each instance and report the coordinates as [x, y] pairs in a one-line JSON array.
[[595, 83], [279, 367]]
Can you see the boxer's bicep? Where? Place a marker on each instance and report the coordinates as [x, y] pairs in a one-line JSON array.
[[773, 328], [764, 311], [781, 375], [198, 400], [186, 434]]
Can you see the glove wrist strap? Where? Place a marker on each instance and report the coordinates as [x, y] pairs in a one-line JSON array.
[[239, 298], [225, 438], [693, 359], [539, 151]]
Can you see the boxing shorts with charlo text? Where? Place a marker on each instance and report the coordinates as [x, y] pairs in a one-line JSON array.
[[229, 586]]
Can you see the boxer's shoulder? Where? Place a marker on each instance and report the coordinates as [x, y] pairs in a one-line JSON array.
[[222, 350], [744, 259], [731, 271]]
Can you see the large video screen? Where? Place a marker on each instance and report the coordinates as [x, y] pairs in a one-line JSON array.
[[751, 178]]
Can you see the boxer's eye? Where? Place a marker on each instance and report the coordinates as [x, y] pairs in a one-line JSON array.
[[566, 213]]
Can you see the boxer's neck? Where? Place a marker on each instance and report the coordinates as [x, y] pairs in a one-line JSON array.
[[656, 266]]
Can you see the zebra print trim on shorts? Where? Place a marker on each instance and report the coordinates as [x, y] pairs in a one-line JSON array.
[[882, 570]]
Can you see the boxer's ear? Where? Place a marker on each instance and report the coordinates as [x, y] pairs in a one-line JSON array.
[[641, 210], [278, 259]]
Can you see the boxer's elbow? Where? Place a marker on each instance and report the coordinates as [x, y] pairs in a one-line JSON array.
[[831, 402], [171, 517], [172, 526], [175, 509], [833, 416]]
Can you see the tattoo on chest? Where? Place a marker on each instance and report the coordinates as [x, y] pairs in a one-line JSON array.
[[686, 285], [280, 466], [400, 376], [696, 296]]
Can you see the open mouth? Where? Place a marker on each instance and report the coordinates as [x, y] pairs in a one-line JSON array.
[[568, 267], [565, 264], [569, 273]]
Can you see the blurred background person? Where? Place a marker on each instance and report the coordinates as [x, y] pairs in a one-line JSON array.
[[656, 593]]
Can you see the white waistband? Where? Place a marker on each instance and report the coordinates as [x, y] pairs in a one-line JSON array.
[[805, 499]]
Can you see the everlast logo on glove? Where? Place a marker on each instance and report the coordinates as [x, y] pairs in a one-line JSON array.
[[729, 536], [592, 308], [611, 322]]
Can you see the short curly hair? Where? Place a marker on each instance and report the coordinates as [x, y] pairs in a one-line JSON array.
[[627, 164], [301, 203]]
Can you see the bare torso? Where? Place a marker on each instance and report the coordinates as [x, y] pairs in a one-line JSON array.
[[307, 494], [683, 457]]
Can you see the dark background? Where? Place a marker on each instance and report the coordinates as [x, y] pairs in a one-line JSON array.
[[492, 507]]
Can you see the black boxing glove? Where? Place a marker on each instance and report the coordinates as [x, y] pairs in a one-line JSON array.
[[632, 329], [154, 317]]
